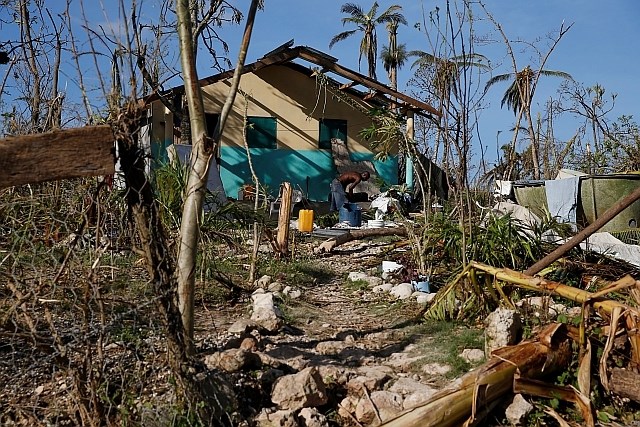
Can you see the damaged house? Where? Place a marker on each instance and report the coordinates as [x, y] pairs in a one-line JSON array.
[[297, 102]]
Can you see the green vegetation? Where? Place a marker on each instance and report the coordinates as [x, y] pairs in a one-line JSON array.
[[445, 343]]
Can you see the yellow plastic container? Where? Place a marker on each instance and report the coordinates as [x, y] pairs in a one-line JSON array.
[[305, 220]]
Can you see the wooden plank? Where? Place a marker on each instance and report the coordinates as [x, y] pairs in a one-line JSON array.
[[282, 238], [72, 153]]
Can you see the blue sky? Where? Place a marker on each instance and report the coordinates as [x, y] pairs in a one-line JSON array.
[[599, 48]]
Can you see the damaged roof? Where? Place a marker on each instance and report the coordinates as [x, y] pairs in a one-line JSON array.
[[287, 53]]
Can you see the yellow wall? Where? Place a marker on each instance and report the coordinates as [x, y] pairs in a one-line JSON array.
[[278, 91]]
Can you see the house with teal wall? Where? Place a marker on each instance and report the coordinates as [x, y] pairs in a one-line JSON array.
[[291, 104]]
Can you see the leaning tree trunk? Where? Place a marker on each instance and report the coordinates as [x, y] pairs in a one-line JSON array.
[[203, 149]]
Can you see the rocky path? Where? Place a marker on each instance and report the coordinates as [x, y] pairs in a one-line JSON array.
[[344, 352]]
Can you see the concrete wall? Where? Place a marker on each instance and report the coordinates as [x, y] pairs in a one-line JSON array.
[[298, 104]]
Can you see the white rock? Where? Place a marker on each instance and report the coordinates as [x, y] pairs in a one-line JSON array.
[[302, 390], [503, 327], [472, 355], [293, 293], [262, 282], [275, 287], [418, 397], [436, 369], [385, 287], [518, 410], [387, 404], [425, 298], [402, 291], [406, 386], [354, 276], [265, 313], [311, 417]]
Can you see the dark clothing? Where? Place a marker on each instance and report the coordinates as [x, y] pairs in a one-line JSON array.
[[338, 195]]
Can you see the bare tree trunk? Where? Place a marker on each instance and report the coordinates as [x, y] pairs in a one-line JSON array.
[[30, 55], [203, 150]]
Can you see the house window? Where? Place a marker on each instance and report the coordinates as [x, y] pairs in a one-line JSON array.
[[261, 132], [329, 129]]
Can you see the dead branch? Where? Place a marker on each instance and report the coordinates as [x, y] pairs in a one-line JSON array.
[[329, 245]]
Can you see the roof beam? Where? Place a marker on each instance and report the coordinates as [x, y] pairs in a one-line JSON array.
[[366, 81]]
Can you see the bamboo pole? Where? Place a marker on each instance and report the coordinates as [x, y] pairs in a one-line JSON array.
[[547, 286], [609, 214], [464, 400]]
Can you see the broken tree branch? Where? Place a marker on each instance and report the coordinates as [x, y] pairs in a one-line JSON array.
[[329, 245]]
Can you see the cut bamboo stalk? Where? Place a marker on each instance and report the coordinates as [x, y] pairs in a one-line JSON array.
[[554, 288], [461, 401]]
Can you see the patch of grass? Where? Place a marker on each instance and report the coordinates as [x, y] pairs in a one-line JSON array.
[[447, 341], [356, 285], [297, 272]]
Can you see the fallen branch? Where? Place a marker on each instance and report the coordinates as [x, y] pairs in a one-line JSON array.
[[329, 245]]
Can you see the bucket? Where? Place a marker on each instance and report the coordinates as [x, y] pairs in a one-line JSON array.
[[305, 220], [351, 213], [422, 284]]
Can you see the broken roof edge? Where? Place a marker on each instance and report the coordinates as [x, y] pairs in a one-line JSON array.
[[286, 54]]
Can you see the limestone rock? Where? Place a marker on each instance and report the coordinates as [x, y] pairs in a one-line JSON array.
[[406, 386], [262, 282], [425, 298], [275, 287], [503, 328], [310, 417], [418, 397], [385, 287], [302, 390], [232, 360], [242, 326], [472, 355], [436, 369], [331, 347], [518, 410], [388, 405], [270, 418], [402, 291], [265, 313]]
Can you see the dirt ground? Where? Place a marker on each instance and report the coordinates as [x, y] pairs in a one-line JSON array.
[[334, 324]]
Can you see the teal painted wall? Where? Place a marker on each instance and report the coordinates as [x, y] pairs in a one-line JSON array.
[[276, 166]]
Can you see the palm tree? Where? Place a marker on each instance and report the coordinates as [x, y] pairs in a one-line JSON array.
[[447, 70], [394, 55], [518, 98], [366, 24], [519, 93]]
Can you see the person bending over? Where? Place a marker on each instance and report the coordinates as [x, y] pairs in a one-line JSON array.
[[344, 184]]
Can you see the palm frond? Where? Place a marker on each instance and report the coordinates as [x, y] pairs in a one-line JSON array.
[[339, 37], [392, 14], [496, 79], [373, 11], [553, 73], [352, 9]]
